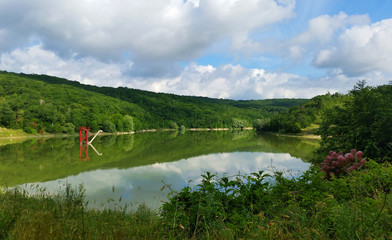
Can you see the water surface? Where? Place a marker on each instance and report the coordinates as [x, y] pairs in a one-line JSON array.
[[133, 167]]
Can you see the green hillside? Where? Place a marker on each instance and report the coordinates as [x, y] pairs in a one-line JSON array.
[[301, 116], [43, 103]]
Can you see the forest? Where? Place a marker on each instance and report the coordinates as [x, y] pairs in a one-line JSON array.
[[360, 119], [345, 194], [41, 103]]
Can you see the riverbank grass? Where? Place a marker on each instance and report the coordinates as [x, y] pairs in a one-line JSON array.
[[358, 205]]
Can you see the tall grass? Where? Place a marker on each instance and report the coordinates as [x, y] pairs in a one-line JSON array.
[[256, 206]]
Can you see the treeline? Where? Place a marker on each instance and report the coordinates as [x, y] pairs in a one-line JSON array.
[[41, 103], [361, 119], [301, 116], [39, 107]]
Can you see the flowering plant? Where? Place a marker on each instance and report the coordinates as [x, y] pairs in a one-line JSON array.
[[336, 164]]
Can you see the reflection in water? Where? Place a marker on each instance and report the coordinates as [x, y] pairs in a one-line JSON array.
[[142, 184], [137, 164]]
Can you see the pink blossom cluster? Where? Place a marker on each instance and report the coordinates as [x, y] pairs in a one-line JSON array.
[[336, 164]]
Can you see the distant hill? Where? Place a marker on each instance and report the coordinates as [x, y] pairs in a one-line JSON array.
[[45, 103], [303, 115]]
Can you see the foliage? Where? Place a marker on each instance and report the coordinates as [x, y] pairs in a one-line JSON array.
[[238, 123], [255, 206], [301, 116], [362, 121], [336, 164], [128, 123], [31, 105], [64, 216], [278, 207], [108, 126], [173, 125], [54, 101]]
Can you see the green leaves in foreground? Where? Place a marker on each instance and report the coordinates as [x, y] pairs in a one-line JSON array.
[[257, 206], [356, 206]]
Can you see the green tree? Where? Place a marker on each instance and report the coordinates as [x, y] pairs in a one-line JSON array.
[[7, 116], [363, 122], [109, 126], [128, 123]]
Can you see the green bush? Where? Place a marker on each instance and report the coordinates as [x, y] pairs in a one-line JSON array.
[[109, 126], [30, 130]]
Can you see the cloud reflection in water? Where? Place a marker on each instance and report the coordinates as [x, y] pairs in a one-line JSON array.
[[142, 184]]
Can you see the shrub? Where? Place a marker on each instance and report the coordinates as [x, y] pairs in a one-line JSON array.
[[30, 130], [336, 164], [109, 126]]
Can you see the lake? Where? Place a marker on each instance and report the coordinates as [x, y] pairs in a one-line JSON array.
[[134, 168]]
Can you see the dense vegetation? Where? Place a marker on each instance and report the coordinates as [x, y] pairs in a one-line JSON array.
[[356, 206], [39, 107], [51, 104], [302, 116], [359, 120], [363, 121], [348, 196]]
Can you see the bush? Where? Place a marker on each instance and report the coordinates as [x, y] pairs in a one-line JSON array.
[[69, 128], [335, 164], [173, 125], [109, 126], [30, 130]]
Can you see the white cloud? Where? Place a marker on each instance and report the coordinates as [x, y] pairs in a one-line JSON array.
[[86, 70], [360, 50], [142, 184], [157, 29], [237, 82], [321, 32], [148, 45], [224, 81]]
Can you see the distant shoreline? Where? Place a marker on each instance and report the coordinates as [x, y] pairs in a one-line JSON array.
[[49, 135], [4, 140]]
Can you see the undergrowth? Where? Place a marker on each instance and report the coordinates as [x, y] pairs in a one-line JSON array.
[[357, 205]]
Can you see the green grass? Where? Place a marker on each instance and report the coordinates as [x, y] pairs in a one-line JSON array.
[[258, 206], [9, 133]]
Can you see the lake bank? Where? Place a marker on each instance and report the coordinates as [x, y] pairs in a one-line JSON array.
[[319, 209]]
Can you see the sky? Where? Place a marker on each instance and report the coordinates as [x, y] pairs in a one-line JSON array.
[[235, 49]]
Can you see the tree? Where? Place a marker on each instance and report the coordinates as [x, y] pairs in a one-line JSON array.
[[109, 126], [363, 122], [128, 123], [7, 116]]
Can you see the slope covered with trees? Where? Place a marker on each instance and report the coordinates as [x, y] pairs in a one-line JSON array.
[[300, 116], [36, 107], [43, 103], [358, 120]]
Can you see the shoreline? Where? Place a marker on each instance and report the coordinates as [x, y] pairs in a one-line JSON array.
[[49, 135], [4, 140]]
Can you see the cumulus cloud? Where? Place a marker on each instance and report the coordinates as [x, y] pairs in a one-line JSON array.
[[151, 45], [224, 81], [237, 82], [86, 70], [360, 50], [156, 29]]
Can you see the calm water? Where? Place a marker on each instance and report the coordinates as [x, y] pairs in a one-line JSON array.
[[134, 167]]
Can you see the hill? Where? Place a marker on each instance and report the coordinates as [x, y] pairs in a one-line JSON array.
[[301, 116], [45, 103]]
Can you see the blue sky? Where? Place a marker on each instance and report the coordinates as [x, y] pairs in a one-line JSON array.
[[238, 49]]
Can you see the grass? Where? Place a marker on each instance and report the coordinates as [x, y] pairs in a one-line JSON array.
[[257, 206]]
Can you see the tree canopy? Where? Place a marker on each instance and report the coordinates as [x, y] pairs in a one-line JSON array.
[[41, 103]]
